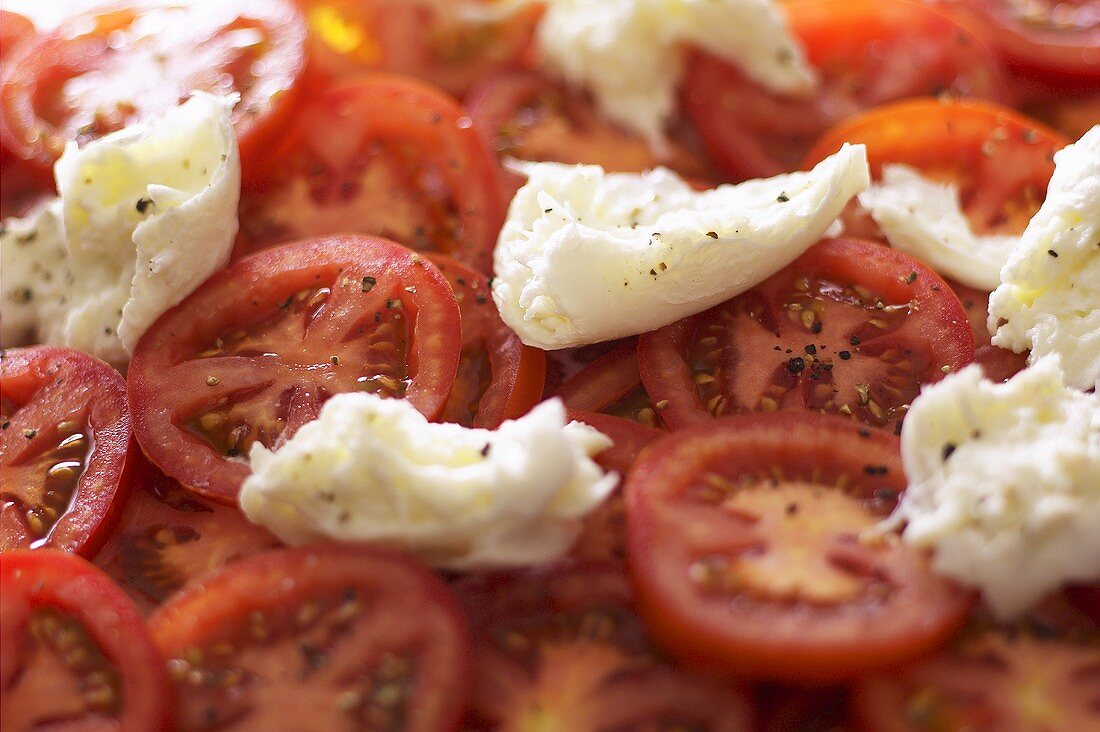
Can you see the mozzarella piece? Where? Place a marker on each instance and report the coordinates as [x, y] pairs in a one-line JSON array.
[[1049, 297], [924, 219], [628, 53], [1004, 483], [587, 256], [34, 274], [375, 469], [146, 214]]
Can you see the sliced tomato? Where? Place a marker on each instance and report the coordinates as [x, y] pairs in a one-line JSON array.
[[564, 364], [527, 117], [14, 30], [603, 537], [74, 651], [498, 378], [869, 52], [447, 44], [1087, 599], [383, 155], [1000, 160], [850, 327], [1053, 43], [102, 70], [999, 364], [751, 546], [255, 351], [65, 449], [990, 681], [324, 637], [562, 649], [612, 385], [1072, 116], [168, 537]]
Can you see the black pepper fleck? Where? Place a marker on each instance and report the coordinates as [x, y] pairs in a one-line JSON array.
[[796, 364]]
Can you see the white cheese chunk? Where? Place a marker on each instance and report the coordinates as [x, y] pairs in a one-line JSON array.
[[923, 218], [1049, 297], [628, 53], [1004, 483], [34, 274], [146, 213], [373, 469], [586, 256]]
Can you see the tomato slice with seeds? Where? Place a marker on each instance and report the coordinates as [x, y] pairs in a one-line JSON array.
[[611, 384], [442, 43], [498, 378], [255, 351], [323, 637], [750, 548], [167, 537], [869, 52], [1000, 160], [850, 327], [1016, 682], [65, 449], [100, 71], [74, 651], [383, 155], [562, 648]]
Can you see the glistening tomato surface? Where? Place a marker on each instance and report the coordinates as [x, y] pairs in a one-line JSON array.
[[103, 70], [1005, 681], [869, 52], [324, 637], [750, 547], [612, 385], [168, 537], [65, 449], [850, 327], [562, 649], [74, 651], [253, 353], [384, 155], [498, 378]]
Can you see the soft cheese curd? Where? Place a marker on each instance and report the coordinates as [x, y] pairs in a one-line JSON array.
[[1004, 483], [1049, 297], [588, 256], [628, 53], [923, 218], [373, 469], [145, 215]]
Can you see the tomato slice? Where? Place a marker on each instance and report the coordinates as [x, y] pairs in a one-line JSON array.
[[382, 155], [992, 681], [869, 52], [850, 327], [14, 30], [436, 42], [74, 651], [1054, 44], [562, 649], [611, 384], [100, 71], [749, 546], [498, 378], [253, 353], [324, 637], [1087, 599], [65, 449], [167, 537], [1000, 160], [999, 364]]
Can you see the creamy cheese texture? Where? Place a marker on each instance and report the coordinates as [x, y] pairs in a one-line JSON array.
[[373, 469], [628, 53], [145, 215], [588, 256], [923, 218], [1049, 297], [1004, 483]]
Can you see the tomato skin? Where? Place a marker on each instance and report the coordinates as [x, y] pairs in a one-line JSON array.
[[50, 386], [266, 283], [744, 628], [408, 609], [33, 581], [36, 120], [771, 349]]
